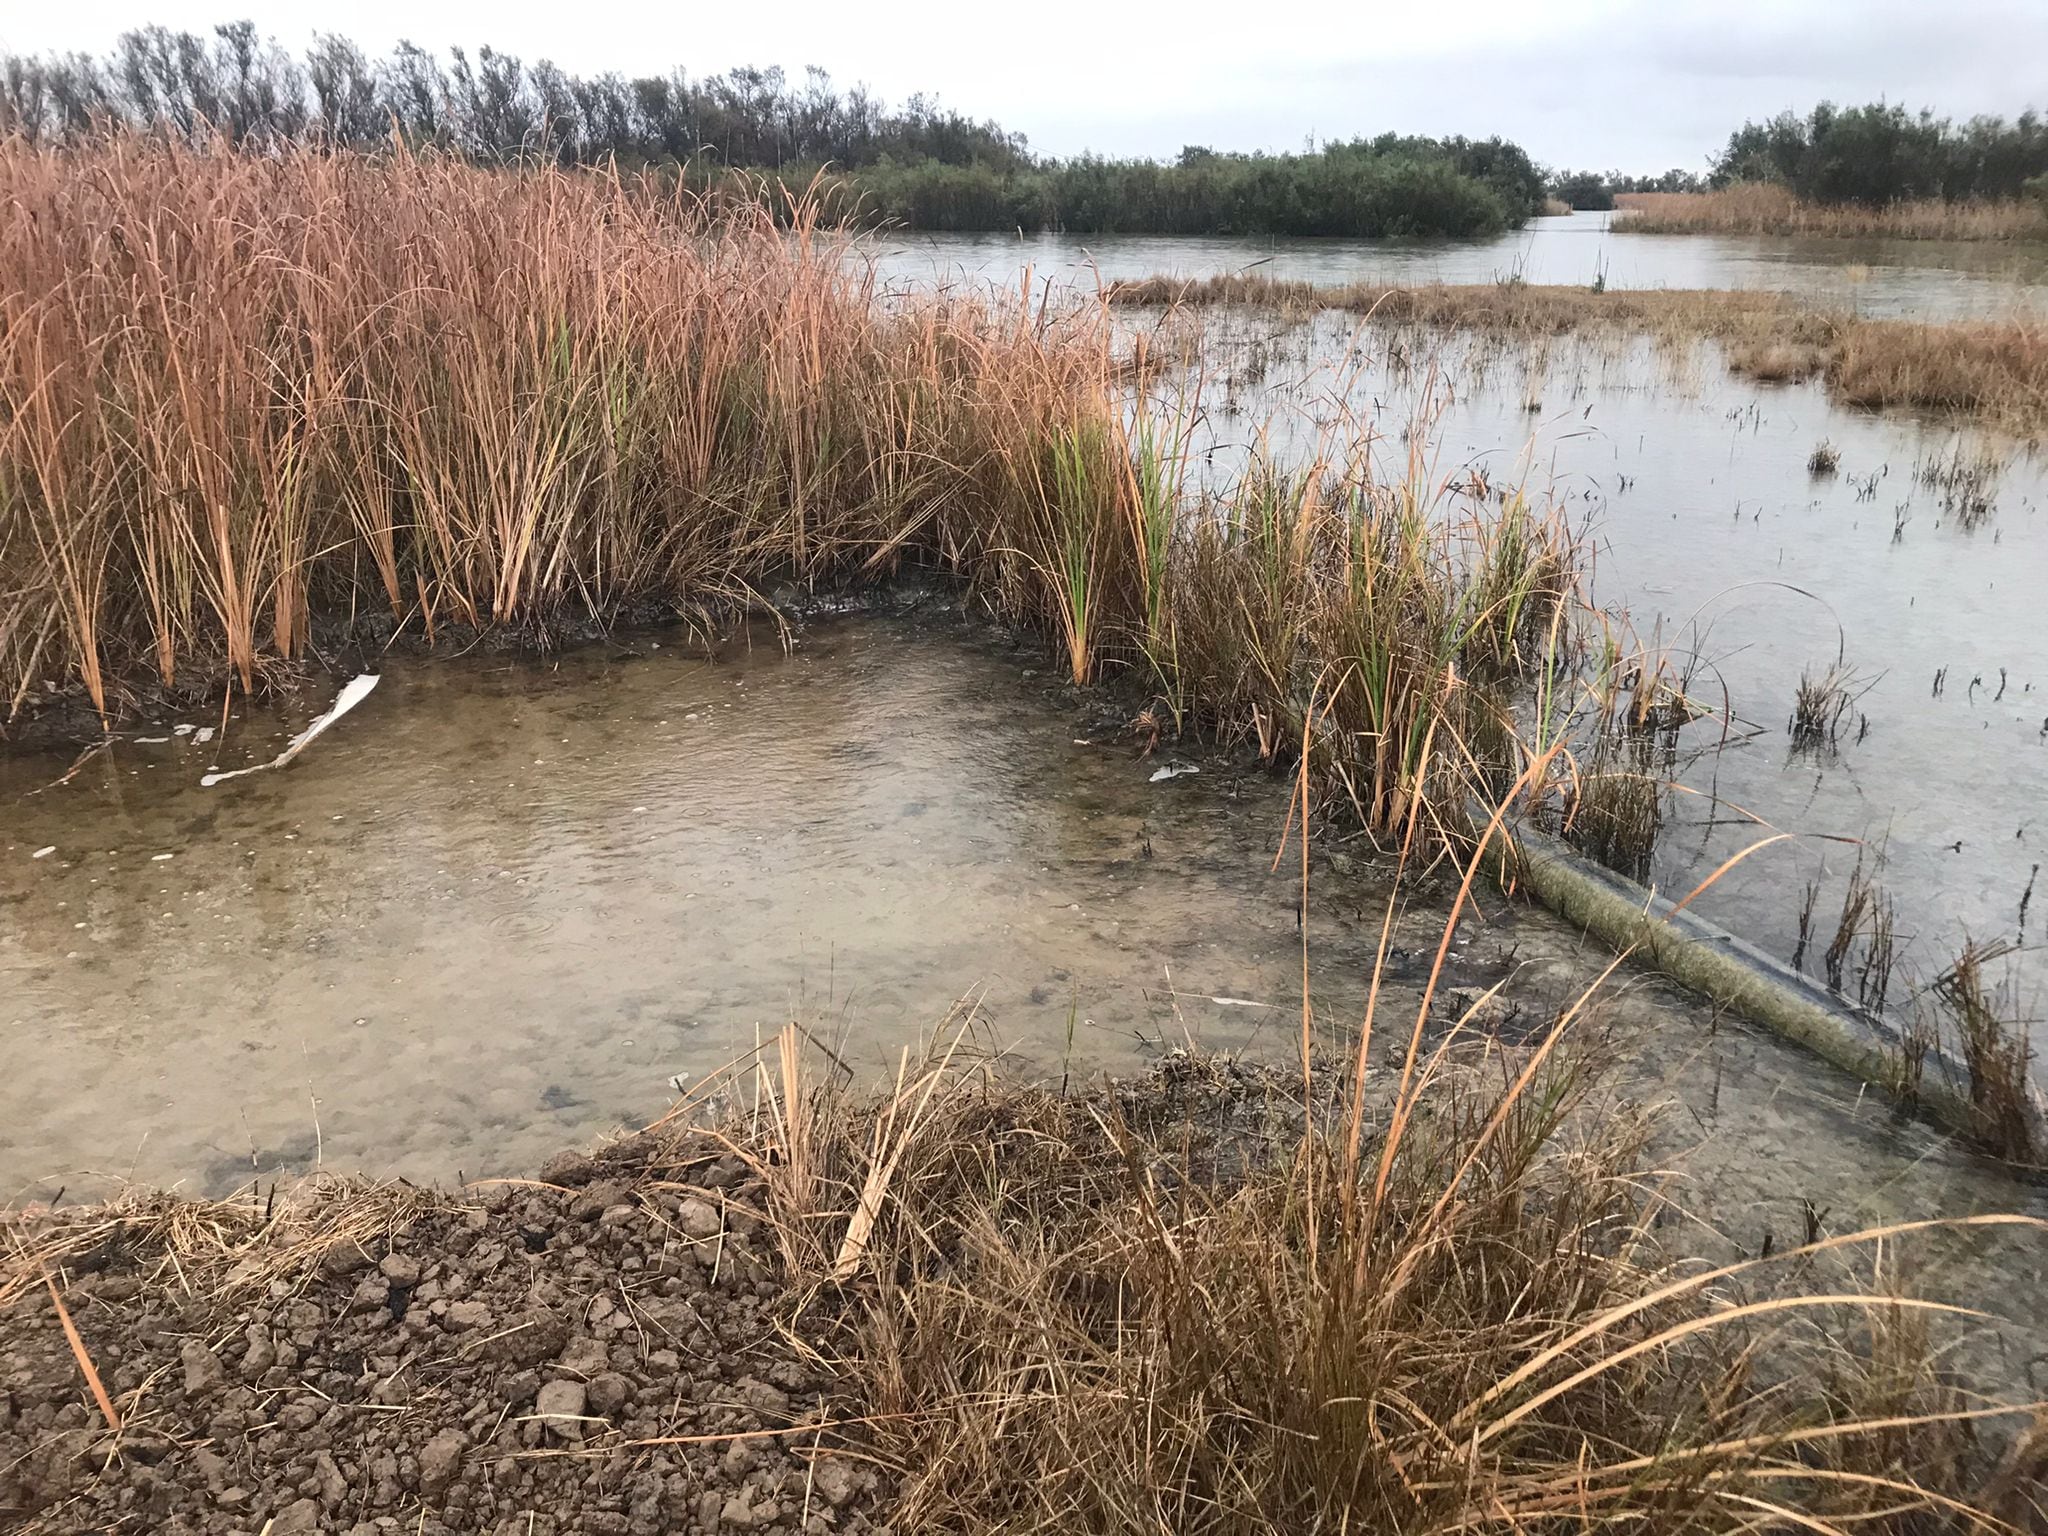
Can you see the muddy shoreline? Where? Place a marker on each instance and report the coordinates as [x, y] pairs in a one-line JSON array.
[[626, 1344], [613, 1346], [60, 714], [600, 1350]]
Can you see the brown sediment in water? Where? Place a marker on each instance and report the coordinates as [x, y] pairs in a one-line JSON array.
[[963, 1304], [1994, 371]]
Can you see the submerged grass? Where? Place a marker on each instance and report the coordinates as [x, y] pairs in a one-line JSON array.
[[1995, 371], [1997, 1051], [1820, 708]]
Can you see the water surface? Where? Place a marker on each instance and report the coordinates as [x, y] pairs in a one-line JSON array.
[[501, 905], [1917, 279]]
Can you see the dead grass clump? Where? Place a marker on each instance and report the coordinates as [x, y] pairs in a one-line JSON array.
[[1997, 1052], [1965, 480], [1775, 362], [1758, 208], [1613, 721], [1424, 1297], [1616, 816], [1820, 706], [211, 1247], [1993, 369], [1864, 945], [1825, 459]]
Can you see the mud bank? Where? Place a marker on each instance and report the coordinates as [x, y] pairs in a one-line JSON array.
[[657, 1337], [609, 1349]]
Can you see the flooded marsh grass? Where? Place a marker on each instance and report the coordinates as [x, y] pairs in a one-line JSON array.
[[1726, 567], [462, 399], [467, 401], [1995, 372], [1982, 1018]]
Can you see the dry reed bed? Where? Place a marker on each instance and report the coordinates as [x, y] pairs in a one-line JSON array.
[[1756, 208], [240, 391], [239, 394], [1995, 371]]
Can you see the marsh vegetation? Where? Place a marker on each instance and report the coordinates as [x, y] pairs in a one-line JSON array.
[[263, 405], [1769, 208], [1990, 370]]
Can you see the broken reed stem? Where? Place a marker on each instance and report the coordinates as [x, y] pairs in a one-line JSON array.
[[78, 1351]]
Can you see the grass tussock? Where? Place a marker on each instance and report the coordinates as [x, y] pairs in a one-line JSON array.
[[1982, 1018], [1964, 480], [1423, 1295], [1994, 371], [1821, 706], [1760, 208]]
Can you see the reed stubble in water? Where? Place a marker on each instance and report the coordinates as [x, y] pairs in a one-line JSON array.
[[1993, 371]]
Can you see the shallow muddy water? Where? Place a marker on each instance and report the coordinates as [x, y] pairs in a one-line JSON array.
[[498, 908], [500, 905], [1916, 279]]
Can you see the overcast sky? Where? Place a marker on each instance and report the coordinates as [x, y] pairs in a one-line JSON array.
[[1594, 83]]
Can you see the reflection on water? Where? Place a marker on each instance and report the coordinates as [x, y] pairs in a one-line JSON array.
[[1916, 279]]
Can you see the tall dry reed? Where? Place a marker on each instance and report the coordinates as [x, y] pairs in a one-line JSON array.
[[240, 392], [245, 395]]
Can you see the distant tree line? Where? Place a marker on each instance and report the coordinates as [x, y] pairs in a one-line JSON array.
[[927, 167], [920, 165], [1882, 153], [1364, 188], [1596, 190], [489, 107], [1360, 189], [1869, 156]]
